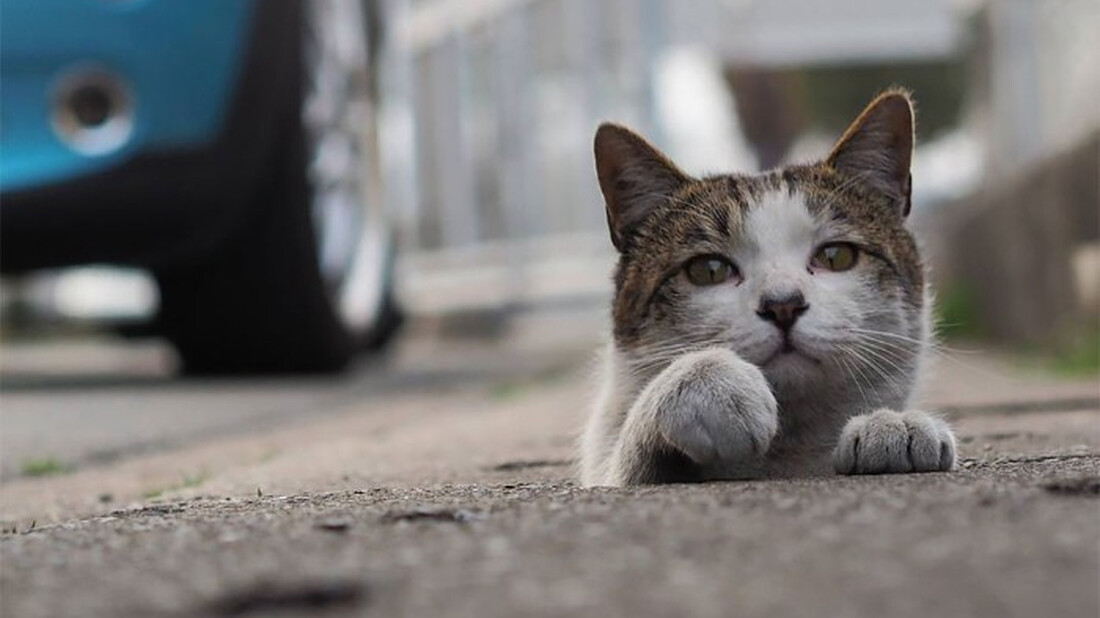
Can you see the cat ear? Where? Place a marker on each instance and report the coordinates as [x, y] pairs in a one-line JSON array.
[[878, 146], [635, 178]]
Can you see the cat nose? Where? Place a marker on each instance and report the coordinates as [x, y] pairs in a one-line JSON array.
[[782, 311]]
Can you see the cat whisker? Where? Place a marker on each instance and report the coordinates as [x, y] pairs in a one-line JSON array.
[[847, 364], [892, 346], [646, 355], [909, 339], [879, 363], [939, 349]]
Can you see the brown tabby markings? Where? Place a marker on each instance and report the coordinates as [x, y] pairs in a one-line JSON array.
[[707, 216]]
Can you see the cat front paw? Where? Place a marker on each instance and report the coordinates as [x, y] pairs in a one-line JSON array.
[[716, 408], [890, 442]]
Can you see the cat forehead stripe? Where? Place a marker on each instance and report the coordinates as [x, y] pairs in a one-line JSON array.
[[779, 218]]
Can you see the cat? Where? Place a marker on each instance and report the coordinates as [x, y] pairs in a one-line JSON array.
[[768, 325]]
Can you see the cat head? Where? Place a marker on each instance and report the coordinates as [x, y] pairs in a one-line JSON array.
[[807, 271]]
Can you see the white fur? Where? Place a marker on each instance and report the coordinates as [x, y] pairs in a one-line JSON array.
[[709, 405], [888, 441], [713, 401]]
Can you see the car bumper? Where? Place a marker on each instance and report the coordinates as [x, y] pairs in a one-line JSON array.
[[170, 200], [175, 62]]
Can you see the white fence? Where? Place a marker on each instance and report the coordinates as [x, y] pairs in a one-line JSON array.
[[489, 106]]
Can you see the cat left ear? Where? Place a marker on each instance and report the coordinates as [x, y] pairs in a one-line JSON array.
[[635, 178], [878, 147]]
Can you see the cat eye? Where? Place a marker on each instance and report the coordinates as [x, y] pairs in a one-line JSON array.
[[837, 257], [710, 270]]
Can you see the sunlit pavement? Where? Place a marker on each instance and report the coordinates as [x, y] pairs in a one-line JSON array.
[[439, 483], [85, 402]]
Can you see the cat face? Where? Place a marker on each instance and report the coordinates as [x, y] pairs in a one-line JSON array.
[[807, 272]]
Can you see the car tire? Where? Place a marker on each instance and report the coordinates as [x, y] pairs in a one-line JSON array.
[[260, 303]]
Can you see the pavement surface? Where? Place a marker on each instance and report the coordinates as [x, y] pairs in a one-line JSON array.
[[441, 483]]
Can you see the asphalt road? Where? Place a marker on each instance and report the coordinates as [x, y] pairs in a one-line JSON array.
[[93, 401], [1015, 537], [441, 484]]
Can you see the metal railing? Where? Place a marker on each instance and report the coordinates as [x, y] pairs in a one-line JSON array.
[[489, 106]]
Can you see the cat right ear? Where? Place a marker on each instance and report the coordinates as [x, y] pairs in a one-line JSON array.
[[878, 146], [635, 178]]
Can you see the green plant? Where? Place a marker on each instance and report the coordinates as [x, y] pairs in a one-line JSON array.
[[1081, 357], [957, 313], [187, 481], [45, 466]]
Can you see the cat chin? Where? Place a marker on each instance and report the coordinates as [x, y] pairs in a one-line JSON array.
[[791, 368]]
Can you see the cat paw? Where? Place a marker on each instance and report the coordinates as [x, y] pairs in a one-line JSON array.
[[716, 408], [890, 442]]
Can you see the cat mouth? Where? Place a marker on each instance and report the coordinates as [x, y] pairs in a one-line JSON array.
[[788, 351]]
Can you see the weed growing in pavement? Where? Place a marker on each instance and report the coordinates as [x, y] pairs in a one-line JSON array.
[[45, 466], [187, 482]]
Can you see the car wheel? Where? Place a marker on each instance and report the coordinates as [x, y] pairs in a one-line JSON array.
[[307, 282]]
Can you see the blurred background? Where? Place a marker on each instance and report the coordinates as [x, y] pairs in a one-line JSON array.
[[482, 113], [448, 191]]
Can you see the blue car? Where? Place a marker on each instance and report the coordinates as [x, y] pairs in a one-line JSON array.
[[226, 146]]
